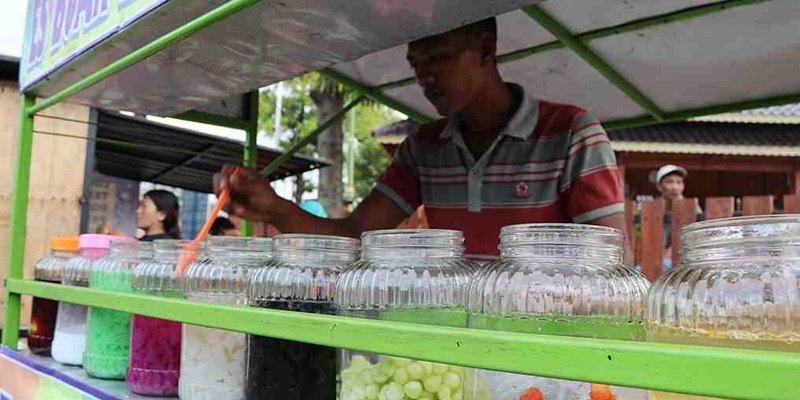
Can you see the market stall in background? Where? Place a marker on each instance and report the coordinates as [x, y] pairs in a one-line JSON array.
[[722, 324]]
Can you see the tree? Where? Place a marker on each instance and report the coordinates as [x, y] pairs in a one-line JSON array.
[[309, 101]]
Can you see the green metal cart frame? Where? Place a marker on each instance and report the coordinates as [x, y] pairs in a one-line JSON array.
[[710, 371]]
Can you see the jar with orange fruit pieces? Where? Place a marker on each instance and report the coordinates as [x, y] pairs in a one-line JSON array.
[[532, 394], [601, 392]]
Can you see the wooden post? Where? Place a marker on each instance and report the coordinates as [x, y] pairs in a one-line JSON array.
[[630, 223], [791, 204], [794, 182], [652, 238], [757, 205], [684, 212], [719, 207]]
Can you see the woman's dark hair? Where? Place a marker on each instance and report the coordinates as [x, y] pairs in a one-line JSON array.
[[167, 203], [220, 225]]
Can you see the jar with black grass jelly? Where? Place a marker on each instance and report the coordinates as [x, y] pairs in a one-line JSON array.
[[213, 360], [417, 276], [558, 279], [301, 277], [735, 286]]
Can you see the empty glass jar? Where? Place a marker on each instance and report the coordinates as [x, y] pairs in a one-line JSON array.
[[301, 277], [155, 356], [108, 337], [557, 279], [69, 341], [44, 311], [736, 286], [415, 276], [213, 360]]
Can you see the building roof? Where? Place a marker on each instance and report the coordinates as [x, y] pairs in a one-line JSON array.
[[694, 137], [139, 149], [396, 132], [786, 114]]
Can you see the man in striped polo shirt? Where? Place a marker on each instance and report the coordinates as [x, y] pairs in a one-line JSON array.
[[499, 157]]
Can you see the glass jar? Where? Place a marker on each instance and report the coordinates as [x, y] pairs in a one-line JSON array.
[[213, 360], [155, 356], [736, 286], [44, 311], [415, 276], [69, 341], [557, 279], [301, 277], [108, 337]]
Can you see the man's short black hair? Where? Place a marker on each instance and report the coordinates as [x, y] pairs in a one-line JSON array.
[[488, 25], [220, 225]]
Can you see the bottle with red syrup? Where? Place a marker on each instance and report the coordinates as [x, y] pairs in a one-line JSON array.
[[44, 311], [155, 350]]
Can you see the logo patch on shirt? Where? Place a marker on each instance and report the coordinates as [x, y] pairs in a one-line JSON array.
[[522, 190]]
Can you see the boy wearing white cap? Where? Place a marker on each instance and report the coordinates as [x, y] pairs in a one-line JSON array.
[[670, 183]]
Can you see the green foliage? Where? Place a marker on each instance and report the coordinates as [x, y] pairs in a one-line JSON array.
[[299, 117], [371, 158]]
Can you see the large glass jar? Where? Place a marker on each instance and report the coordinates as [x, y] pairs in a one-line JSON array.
[[44, 311], [736, 286], [155, 356], [557, 279], [108, 338], [213, 360], [69, 341], [301, 277], [415, 276]]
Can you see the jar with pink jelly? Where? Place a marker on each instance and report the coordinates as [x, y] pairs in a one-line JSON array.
[[155, 357]]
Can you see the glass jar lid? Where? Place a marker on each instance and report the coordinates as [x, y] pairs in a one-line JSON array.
[[402, 272], [560, 234], [228, 266], [305, 268], [315, 243], [160, 274]]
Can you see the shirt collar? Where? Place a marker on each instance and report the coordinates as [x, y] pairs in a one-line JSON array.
[[520, 126]]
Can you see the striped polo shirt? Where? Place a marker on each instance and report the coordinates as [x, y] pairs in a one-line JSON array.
[[551, 163]]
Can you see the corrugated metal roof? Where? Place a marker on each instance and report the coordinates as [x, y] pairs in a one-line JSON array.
[[710, 138], [786, 114], [173, 156], [715, 149]]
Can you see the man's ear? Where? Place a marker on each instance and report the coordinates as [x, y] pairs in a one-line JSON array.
[[487, 46]]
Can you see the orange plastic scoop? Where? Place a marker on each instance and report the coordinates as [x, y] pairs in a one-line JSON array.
[[189, 252]]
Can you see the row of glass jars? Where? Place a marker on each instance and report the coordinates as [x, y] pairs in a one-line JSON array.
[[551, 279]]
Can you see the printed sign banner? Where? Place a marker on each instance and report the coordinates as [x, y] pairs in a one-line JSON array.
[[56, 31]]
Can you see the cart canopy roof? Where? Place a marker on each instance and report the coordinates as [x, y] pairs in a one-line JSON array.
[[630, 62]]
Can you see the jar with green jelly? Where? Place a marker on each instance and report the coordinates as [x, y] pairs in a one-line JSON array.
[[108, 335]]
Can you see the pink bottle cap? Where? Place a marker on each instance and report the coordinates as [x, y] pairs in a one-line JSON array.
[[95, 241]]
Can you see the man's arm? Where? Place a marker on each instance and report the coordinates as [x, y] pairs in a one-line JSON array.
[[253, 198], [618, 221], [376, 211]]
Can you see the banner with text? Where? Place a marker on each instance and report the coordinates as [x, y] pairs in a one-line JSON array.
[[56, 31]]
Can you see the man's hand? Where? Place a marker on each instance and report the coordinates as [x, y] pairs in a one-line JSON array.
[[252, 197]]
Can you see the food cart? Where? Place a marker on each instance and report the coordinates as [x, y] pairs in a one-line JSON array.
[[631, 63]]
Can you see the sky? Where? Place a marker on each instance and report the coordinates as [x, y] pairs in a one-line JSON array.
[[12, 27]]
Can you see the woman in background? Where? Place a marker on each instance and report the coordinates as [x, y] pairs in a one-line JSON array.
[[158, 216]]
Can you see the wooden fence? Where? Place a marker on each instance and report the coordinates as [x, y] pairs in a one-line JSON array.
[[647, 240]]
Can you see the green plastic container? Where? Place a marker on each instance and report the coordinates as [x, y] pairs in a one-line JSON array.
[[108, 337]]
